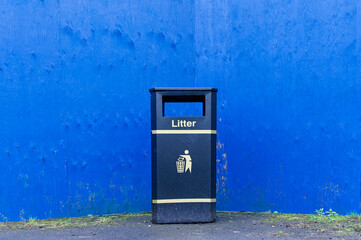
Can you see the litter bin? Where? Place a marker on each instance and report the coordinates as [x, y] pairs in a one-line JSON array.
[[183, 156]]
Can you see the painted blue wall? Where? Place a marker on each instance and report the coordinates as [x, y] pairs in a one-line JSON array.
[[74, 101], [289, 104]]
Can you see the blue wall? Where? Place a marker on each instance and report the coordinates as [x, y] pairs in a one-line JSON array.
[[74, 101]]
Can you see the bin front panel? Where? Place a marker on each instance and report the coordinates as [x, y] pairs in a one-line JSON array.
[[181, 175]]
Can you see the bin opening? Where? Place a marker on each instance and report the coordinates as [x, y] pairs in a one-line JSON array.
[[184, 106]]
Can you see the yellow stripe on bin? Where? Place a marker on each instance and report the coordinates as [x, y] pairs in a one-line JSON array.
[[184, 131], [184, 200]]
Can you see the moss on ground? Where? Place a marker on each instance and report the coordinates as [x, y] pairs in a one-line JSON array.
[[333, 225], [70, 222], [280, 233], [341, 225], [279, 217]]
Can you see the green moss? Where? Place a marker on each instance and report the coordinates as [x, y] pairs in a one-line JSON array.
[[71, 222], [280, 233], [341, 225], [280, 217]]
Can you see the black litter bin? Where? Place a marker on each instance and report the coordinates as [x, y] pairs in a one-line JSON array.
[[183, 157]]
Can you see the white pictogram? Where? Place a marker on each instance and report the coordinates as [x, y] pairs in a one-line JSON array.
[[184, 166]]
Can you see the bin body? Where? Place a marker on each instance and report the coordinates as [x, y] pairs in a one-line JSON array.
[[183, 158]]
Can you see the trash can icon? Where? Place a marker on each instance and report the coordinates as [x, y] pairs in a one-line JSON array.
[[180, 165], [183, 156]]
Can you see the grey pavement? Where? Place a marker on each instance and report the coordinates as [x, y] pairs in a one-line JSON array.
[[227, 226]]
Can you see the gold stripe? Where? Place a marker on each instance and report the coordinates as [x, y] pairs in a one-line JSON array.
[[184, 200], [184, 131]]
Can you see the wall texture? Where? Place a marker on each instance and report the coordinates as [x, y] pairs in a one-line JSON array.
[[74, 101], [289, 104]]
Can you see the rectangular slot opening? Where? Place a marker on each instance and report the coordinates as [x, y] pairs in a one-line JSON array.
[[184, 106]]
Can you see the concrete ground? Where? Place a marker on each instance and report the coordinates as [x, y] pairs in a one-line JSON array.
[[229, 225]]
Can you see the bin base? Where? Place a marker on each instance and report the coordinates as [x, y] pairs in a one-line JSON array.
[[184, 213]]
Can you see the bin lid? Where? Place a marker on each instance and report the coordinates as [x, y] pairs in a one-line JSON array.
[[181, 89]]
